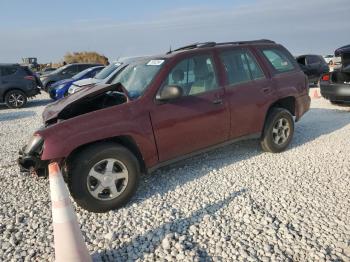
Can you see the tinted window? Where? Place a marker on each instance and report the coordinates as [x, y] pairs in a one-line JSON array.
[[6, 71], [240, 66], [279, 59], [195, 75], [83, 67], [70, 70], [312, 60]]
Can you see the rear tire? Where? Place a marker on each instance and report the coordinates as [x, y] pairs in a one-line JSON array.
[[90, 182], [278, 131], [15, 99]]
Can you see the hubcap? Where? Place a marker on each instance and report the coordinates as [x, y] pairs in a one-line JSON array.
[[16, 100], [281, 131], [107, 179]]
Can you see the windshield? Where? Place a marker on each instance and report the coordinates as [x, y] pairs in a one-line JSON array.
[[107, 71], [137, 76], [81, 74], [60, 69]]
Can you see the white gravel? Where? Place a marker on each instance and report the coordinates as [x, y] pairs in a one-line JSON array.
[[234, 203]]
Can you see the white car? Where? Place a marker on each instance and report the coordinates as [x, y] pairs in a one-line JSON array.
[[332, 59]]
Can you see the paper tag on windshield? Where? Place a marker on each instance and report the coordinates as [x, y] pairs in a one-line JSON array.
[[155, 62]]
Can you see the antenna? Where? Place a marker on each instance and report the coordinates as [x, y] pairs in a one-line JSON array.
[[169, 52]]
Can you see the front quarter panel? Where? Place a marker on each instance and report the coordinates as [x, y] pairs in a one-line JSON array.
[[122, 120]]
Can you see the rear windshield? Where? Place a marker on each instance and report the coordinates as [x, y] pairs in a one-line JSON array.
[[136, 77], [107, 71], [27, 70]]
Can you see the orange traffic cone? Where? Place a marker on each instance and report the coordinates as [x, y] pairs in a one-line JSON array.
[[69, 242], [316, 93]]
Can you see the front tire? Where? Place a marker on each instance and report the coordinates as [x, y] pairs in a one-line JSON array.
[[15, 99], [103, 177], [278, 131]]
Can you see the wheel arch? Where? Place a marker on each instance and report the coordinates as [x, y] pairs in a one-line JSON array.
[[12, 89], [288, 103], [125, 140]]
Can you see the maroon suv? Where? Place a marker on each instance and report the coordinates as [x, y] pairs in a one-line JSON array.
[[165, 108]]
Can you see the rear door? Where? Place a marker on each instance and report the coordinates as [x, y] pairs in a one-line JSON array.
[[248, 90], [197, 120]]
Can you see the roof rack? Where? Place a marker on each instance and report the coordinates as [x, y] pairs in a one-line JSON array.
[[212, 44], [194, 45], [261, 41]]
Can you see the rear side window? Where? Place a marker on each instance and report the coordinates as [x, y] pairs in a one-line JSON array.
[[279, 60], [6, 71], [240, 66]]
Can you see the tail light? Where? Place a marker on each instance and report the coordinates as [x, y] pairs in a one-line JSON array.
[[29, 78], [326, 77]]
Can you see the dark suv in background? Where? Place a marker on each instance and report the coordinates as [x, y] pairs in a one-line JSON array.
[[313, 66], [64, 72], [17, 83], [164, 108]]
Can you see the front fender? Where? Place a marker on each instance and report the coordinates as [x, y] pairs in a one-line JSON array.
[[62, 138]]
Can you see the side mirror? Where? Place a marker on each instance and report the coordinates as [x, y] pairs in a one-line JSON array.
[[169, 93]]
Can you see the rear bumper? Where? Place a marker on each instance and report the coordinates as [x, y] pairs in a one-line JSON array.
[[335, 92], [303, 105]]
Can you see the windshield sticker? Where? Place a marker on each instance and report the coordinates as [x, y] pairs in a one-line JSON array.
[[155, 62]]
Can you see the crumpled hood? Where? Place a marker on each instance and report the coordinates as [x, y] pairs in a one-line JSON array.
[[85, 82], [52, 110]]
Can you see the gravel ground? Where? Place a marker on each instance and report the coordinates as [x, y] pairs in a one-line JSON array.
[[234, 203]]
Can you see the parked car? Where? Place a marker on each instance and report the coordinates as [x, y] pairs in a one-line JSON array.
[[46, 71], [106, 76], [102, 77], [166, 108], [335, 86], [17, 83], [62, 73], [313, 66], [60, 89], [332, 59]]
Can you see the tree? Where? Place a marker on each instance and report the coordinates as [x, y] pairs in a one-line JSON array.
[[85, 57]]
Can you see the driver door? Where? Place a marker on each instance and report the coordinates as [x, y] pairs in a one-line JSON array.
[[197, 120]]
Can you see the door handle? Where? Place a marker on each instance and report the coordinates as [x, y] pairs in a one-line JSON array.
[[266, 90], [217, 101]]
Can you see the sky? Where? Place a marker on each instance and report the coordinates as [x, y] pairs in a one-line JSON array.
[[49, 29]]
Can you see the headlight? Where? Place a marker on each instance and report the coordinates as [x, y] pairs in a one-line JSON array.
[[73, 89], [34, 144]]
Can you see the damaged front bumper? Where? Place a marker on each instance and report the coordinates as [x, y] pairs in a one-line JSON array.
[[29, 159]]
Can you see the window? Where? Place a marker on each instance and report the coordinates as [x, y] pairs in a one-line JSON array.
[[136, 77], [6, 71], [279, 60], [240, 66], [195, 75], [254, 67], [312, 60]]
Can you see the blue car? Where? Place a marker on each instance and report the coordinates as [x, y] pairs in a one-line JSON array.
[[60, 89]]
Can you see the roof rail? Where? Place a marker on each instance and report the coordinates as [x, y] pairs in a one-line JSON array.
[[196, 45], [212, 44], [261, 41]]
